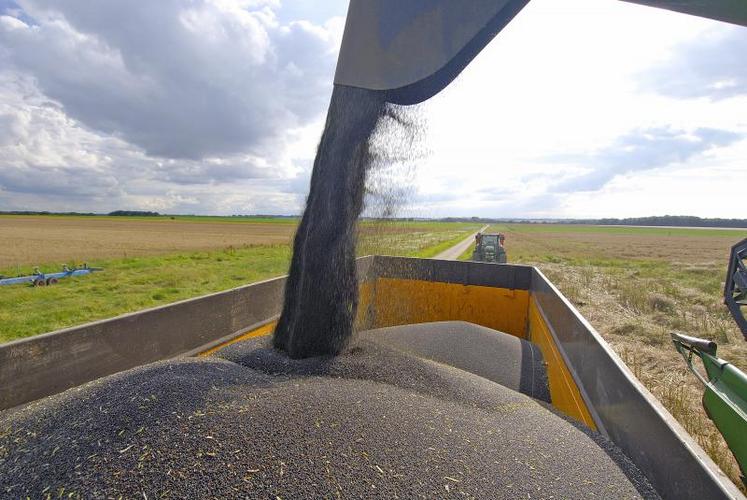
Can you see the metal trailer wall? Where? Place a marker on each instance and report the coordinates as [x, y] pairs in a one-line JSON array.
[[621, 407], [47, 364], [626, 411]]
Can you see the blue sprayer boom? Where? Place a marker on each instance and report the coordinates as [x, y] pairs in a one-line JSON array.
[[43, 279]]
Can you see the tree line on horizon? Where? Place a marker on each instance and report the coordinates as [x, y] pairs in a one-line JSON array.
[[127, 213], [666, 220], [658, 220]]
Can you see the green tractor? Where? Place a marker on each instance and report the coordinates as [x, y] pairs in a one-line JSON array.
[[489, 248], [725, 396]]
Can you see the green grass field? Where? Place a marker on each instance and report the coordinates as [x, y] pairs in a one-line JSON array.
[[135, 283], [132, 284]]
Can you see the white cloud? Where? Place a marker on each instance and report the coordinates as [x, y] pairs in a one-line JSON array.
[[193, 100], [711, 66], [177, 79], [216, 106], [560, 86], [49, 161]]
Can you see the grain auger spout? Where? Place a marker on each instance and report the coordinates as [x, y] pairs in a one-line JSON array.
[[409, 51]]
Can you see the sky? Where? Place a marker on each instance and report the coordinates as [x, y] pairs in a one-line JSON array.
[[578, 109]]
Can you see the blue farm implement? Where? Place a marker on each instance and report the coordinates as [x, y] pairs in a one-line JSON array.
[[43, 279]]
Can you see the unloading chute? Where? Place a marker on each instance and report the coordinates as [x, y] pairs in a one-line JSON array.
[[411, 50]]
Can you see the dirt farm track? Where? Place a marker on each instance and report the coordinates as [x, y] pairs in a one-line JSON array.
[[44, 239]]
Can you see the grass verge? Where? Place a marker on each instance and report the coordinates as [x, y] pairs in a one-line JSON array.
[[135, 283], [132, 284]]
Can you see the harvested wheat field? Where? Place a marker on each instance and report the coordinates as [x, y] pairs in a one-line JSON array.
[[636, 285], [31, 240]]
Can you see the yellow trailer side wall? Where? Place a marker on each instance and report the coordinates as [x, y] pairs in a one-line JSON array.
[[365, 310], [564, 392], [257, 332], [402, 301], [391, 302]]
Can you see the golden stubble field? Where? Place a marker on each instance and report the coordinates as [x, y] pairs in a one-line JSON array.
[[691, 246], [31, 240], [636, 286]]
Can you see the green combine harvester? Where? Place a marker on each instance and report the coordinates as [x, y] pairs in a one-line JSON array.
[[725, 397]]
